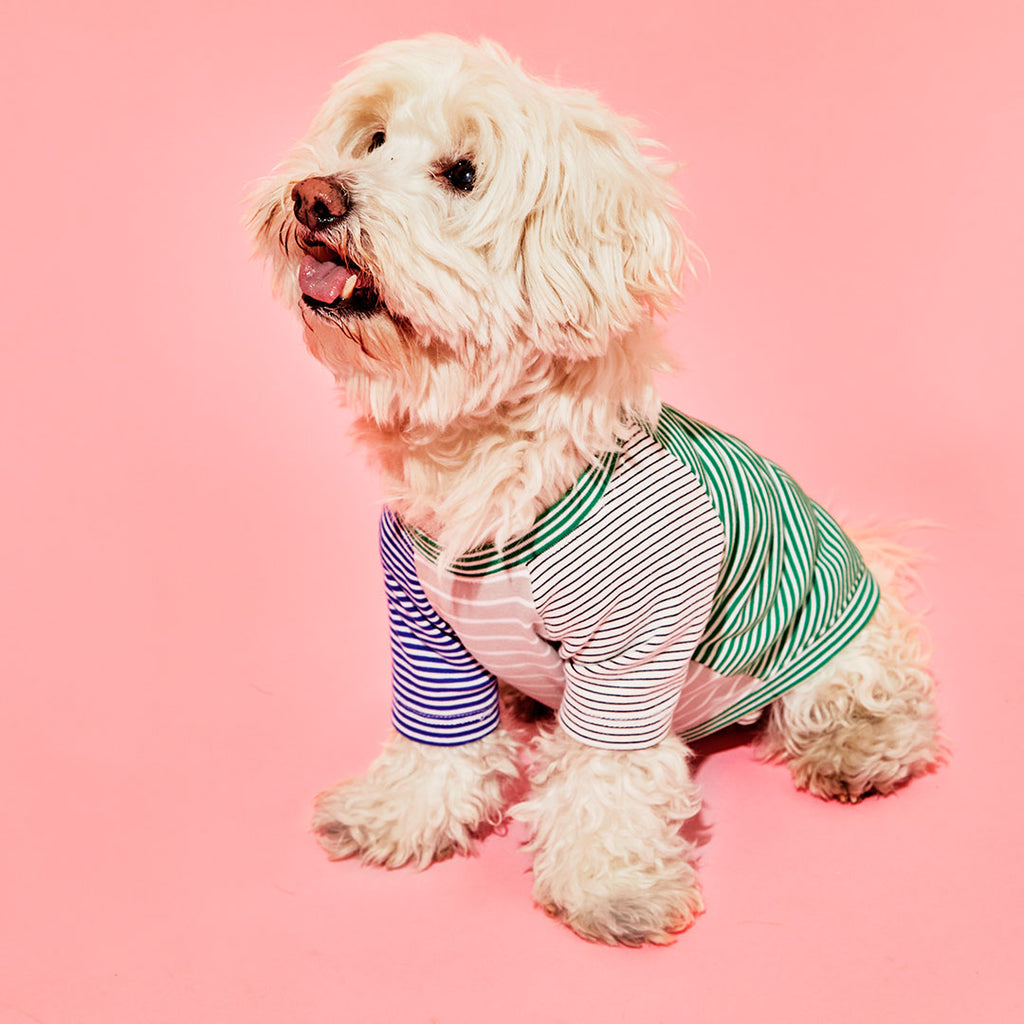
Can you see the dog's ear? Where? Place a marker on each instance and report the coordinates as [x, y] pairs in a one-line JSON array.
[[602, 251]]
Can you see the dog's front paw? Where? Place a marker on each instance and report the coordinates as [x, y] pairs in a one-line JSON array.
[[418, 804], [627, 902], [609, 859], [383, 826]]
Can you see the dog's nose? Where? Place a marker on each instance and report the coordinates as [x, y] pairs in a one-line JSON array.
[[319, 202]]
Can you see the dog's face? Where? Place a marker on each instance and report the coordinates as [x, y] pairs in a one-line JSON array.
[[451, 226]]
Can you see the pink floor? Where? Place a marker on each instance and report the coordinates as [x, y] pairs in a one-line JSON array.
[[193, 631]]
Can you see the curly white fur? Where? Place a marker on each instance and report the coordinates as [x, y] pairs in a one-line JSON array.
[[419, 804], [609, 856], [866, 722]]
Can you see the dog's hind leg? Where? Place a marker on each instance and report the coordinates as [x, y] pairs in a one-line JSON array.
[[867, 721], [419, 804], [608, 857]]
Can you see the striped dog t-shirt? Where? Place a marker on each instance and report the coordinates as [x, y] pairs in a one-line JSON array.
[[681, 584]]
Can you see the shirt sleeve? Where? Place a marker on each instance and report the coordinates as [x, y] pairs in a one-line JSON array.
[[441, 695], [626, 597], [625, 676]]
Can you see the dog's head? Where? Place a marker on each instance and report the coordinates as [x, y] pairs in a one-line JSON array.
[[451, 226]]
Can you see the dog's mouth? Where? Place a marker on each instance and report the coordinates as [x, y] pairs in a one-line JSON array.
[[332, 283]]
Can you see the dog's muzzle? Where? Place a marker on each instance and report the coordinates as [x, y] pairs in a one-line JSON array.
[[330, 281]]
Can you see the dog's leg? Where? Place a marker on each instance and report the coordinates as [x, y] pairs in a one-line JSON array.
[[418, 804], [867, 721], [609, 859]]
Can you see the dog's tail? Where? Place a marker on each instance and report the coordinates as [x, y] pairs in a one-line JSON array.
[[894, 563]]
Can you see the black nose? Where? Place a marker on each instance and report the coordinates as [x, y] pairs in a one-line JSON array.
[[319, 202]]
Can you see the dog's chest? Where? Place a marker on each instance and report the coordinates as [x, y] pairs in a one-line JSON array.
[[623, 574]]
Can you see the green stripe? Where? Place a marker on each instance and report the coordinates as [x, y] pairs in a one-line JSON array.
[[792, 590], [555, 523], [864, 604]]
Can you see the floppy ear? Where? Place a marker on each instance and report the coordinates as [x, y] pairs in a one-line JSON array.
[[602, 251]]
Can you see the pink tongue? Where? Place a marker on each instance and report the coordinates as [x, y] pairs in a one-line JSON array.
[[323, 282]]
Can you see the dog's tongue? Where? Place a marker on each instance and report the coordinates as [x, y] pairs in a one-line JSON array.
[[323, 282]]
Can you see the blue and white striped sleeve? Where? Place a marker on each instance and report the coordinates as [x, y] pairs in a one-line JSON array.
[[441, 694]]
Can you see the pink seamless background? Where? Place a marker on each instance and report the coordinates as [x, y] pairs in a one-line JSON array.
[[192, 611]]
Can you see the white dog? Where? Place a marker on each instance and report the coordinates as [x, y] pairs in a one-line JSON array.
[[479, 258]]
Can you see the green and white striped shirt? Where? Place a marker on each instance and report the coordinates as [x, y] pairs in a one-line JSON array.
[[682, 584]]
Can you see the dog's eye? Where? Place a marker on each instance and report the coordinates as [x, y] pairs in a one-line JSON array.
[[376, 141], [461, 176]]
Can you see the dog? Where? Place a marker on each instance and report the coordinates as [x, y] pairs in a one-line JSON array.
[[482, 261]]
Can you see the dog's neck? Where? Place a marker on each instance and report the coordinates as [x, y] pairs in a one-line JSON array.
[[485, 477], [470, 486]]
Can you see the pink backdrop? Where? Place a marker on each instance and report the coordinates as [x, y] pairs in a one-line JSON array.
[[193, 638]]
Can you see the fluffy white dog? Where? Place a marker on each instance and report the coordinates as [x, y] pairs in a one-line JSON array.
[[479, 258]]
